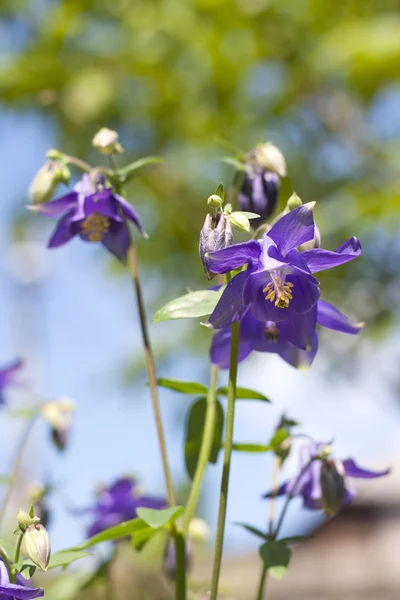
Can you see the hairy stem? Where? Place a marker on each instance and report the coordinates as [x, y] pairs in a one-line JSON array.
[[230, 419], [205, 449]]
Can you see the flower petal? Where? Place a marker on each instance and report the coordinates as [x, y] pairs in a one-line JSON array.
[[255, 282], [300, 359], [230, 306], [281, 491], [330, 317], [299, 328], [319, 259], [353, 470], [20, 592], [265, 310], [221, 348], [129, 212], [101, 202], [57, 207], [116, 240], [7, 373], [64, 231], [305, 293], [294, 229], [233, 257]]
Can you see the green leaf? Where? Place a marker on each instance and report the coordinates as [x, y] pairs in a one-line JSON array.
[[129, 171], [239, 166], [251, 448], [276, 557], [252, 530], [244, 394], [249, 215], [185, 387], [66, 557], [122, 530], [159, 518], [295, 539], [278, 438], [27, 570], [220, 191], [141, 537], [195, 422], [190, 306]]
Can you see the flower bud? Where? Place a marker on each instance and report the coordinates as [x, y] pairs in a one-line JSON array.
[[259, 193], [38, 497], [59, 416], [198, 529], [25, 520], [214, 201], [37, 545], [215, 234], [332, 486], [46, 180], [268, 156], [106, 141], [293, 202]]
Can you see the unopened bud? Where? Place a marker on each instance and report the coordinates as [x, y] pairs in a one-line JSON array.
[[259, 193], [25, 520], [37, 546], [270, 157], [215, 235], [239, 221], [46, 180], [106, 141], [59, 415], [214, 201], [293, 202], [198, 530], [332, 486]]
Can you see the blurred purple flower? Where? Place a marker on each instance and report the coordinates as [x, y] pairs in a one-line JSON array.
[[307, 483], [119, 503], [279, 284], [7, 375], [258, 193], [266, 337], [18, 590], [96, 215]]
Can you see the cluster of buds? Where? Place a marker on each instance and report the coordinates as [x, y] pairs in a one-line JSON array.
[[35, 537]]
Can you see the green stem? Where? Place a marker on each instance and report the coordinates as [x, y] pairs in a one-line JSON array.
[[7, 563], [205, 449], [77, 162], [16, 465], [180, 557], [18, 548], [230, 419]]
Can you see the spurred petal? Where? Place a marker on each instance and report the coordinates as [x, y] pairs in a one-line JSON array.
[[300, 359], [64, 231], [129, 212], [330, 317], [230, 306], [353, 470], [20, 592], [221, 348], [319, 259], [57, 207], [233, 257], [299, 328], [294, 229], [116, 240]]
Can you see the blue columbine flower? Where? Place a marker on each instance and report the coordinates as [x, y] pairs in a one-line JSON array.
[[279, 283], [7, 375], [309, 482], [95, 213], [266, 336], [18, 590], [119, 503]]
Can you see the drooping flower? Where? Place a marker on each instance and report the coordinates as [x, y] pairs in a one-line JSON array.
[[258, 193], [119, 503], [279, 283], [266, 336], [7, 375], [310, 483], [95, 213], [18, 590]]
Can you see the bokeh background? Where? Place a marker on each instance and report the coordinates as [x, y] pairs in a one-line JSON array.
[[175, 77]]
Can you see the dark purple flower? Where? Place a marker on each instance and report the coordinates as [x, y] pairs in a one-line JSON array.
[[266, 336], [279, 284], [96, 214], [259, 193], [18, 590], [307, 483], [7, 375], [119, 503]]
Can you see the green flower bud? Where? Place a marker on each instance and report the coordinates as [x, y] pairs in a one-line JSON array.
[[46, 180], [293, 202], [332, 486], [37, 545], [106, 141], [214, 201], [270, 157], [239, 221], [25, 520]]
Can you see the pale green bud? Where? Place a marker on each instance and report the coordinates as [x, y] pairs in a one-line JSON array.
[[214, 201], [198, 530], [25, 520], [46, 180], [332, 486], [106, 141], [37, 545], [270, 157], [293, 202], [239, 221], [59, 415]]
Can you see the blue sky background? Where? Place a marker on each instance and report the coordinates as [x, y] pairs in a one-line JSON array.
[[76, 325]]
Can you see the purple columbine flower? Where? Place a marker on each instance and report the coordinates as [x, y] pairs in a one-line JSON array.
[[119, 503], [18, 590], [309, 482], [259, 193], [266, 336], [279, 283], [95, 213], [7, 375]]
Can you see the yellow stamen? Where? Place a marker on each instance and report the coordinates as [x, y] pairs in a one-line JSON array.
[[282, 294], [95, 226]]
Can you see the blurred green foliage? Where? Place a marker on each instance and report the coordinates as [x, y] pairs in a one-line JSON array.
[[173, 76]]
